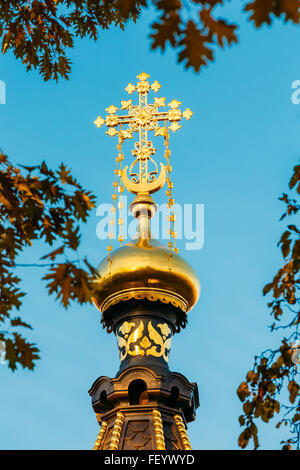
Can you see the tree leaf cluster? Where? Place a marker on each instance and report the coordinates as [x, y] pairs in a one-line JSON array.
[[274, 373], [41, 32], [37, 203]]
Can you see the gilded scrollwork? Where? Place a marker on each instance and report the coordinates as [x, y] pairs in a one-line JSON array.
[[144, 339], [126, 327], [127, 343], [162, 345]]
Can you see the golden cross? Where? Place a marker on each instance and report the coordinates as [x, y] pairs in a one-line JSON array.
[[142, 118]]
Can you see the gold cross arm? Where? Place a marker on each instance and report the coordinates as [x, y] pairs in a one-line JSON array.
[[144, 116]]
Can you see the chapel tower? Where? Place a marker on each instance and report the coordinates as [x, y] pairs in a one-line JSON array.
[[144, 291]]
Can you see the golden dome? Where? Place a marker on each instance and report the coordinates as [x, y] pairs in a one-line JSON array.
[[144, 269]]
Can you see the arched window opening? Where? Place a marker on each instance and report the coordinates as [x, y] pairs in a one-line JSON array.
[[104, 402], [103, 397], [137, 392], [174, 395]]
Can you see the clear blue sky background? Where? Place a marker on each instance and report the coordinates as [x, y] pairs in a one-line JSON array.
[[235, 156]]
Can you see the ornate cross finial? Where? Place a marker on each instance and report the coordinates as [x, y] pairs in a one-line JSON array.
[[142, 118]]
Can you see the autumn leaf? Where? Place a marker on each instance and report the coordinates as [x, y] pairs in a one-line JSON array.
[[261, 11], [275, 367], [167, 30], [294, 228], [243, 391], [130, 8], [3, 158], [219, 28], [295, 178], [195, 53], [17, 321], [267, 288], [69, 283], [291, 10], [244, 438], [293, 388], [252, 377], [18, 350]]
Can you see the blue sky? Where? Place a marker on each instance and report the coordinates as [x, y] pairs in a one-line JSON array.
[[235, 156]]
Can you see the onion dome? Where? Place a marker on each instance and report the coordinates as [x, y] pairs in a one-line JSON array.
[[144, 269]]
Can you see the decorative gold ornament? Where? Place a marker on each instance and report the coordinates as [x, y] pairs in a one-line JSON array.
[[174, 126], [144, 269], [100, 436], [99, 121], [116, 432], [158, 430], [155, 86], [174, 104], [182, 432], [160, 102], [112, 109], [144, 340], [187, 114], [143, 118], [143, 76], [126, 327], [140, 293], [130, 88]]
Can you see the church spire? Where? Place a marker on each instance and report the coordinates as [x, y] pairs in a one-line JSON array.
[[144, 291]]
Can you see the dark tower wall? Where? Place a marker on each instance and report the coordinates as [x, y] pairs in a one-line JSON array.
[[145, 406]]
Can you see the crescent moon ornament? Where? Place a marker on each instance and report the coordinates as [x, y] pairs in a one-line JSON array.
[[144, 187]]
